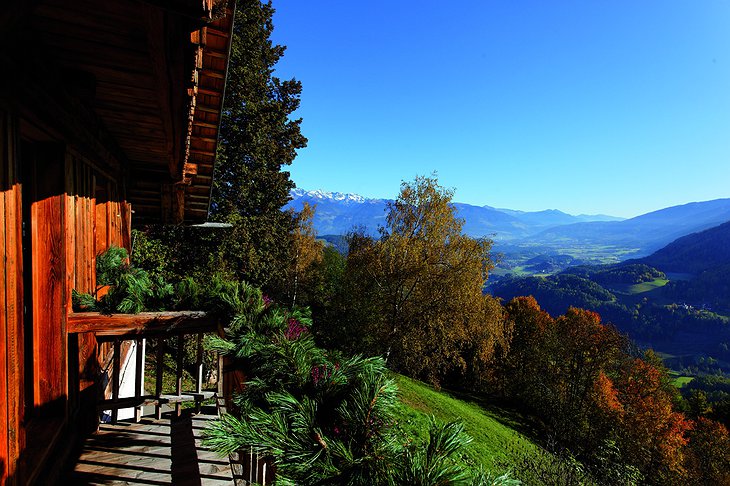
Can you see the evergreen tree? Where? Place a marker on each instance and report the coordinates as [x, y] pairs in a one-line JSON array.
[[321, 418], [257, 139]]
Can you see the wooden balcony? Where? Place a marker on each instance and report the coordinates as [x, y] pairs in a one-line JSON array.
[[160, 443]]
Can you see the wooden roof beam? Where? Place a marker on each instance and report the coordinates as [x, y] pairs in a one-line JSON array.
[[163, 81], [12, 14], [173, 203], [197, 10]]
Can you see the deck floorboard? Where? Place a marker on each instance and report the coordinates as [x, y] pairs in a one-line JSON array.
[[152, 452]]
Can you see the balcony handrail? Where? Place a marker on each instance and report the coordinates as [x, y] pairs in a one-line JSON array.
[[144, 324]]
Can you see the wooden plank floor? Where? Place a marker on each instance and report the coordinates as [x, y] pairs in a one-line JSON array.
[[164, 452]]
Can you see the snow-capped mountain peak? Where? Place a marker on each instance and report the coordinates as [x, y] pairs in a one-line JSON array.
[[326, 195]]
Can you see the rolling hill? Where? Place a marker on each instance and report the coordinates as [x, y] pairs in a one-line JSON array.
[[704, 259], [694, 253], [677, 299]]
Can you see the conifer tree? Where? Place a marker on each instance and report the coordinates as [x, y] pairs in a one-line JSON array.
[[322, 418], [257, 139]]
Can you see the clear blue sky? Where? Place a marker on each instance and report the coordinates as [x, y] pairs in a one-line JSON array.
[[587, 106]]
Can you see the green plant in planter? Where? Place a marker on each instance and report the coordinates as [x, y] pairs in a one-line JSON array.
[[123, 288]]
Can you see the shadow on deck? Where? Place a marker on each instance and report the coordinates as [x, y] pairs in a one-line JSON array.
[[151, 452]]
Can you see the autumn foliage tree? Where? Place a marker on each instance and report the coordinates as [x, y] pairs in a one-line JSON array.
[[585, 348], [651, 432], [419, 288], [580, 377], [558, 368], [523, 369], [306, 252], [708, 457]]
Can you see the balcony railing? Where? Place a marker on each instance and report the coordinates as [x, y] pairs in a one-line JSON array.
[[126, 334]]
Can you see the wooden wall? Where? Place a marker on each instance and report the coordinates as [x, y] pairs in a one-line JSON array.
[[100, 220], [12, 433], [113, 223], [49, 301], [48, 382]]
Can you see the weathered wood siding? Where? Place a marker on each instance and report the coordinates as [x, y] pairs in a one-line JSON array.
[[12, 433], [113, 228], [49, 300], [14, 321], [81, 253], [113, 225]]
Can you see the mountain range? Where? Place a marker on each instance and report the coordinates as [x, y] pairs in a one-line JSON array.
[[338, 213]]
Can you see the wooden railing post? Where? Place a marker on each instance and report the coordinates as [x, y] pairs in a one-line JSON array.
[[116, 367], [199, 370], [124, 332], [138, 378], [251, 475], [220, 376], [179, 372], [159, 369]]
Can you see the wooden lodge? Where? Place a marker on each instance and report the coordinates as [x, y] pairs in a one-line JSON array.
[[109, 116]]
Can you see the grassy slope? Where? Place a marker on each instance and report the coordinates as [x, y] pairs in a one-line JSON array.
[[633, 289], [497, 444], [678, 379]]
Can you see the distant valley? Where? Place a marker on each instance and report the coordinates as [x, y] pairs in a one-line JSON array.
[[676, 300], [540, 242], [661, 278]]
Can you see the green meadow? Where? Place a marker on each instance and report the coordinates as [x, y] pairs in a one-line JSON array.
[[499, 439]]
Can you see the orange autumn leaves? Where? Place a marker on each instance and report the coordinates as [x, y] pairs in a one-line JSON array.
[[606, 395], [585, 381]]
